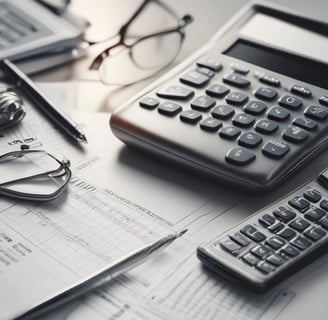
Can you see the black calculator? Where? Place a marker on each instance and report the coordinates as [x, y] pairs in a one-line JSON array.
[[275, 241], [249, 108]]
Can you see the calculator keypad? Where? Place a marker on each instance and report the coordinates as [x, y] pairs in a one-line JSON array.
[[274, 238], [206, 103], [264, 118]]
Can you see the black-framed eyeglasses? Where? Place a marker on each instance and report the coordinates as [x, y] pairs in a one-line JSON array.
[[33, 175], [135, 58]]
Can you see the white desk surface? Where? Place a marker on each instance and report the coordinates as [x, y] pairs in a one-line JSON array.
[[125, 167]]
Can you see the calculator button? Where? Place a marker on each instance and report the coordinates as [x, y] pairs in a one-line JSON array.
[[265, 267], [261, 252], [301, 91], [210, 63], [202, 103], [269, 80], [314, 214], [300, 242], [324, 222], [240, 239], [239, 68], [175, 92], [229, 133], [312, 195], [250, 259], [278, 113], [275, 242], [266, 93], [240, 156], [223, 112], [290, 250], [266, 220], [217, 90], [294, 134], [290, 102], [305, 123], [299, 224], [324, 204], [169, 108], [276, 260], [205, 71], [252, 233], [276, 227], [287, 233], [236, 80], [243, 120], [275, 149], [323, 179], [148, 103], [316, 112], [314, 233], [195, 79], [266, 126], [284, 214], [190, 116], [324, 100], [230, 246], [250, 139], [299, 203], [255, 107], [210, 124], [237, 98]]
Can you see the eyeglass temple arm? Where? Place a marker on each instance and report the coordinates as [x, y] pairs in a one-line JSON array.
[[142, 6], [183, 22], [134, 16], [167, 8]]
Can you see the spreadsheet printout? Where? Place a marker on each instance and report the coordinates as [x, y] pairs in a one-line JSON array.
[[161, 288], [48, 246]]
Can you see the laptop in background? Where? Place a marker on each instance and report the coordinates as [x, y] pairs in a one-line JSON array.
[[29, 33]]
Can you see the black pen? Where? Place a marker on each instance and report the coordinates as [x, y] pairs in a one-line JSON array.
[[43, 103]]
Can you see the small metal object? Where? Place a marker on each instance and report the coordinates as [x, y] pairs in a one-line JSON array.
[[12, 109], [35, 175]]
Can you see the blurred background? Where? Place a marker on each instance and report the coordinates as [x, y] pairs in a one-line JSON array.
[[105, 17]]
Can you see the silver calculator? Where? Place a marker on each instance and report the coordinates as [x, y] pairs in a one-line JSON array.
[[249, 108]]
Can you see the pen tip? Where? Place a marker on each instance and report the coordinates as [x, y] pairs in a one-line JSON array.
[[181, 233], [82, 138]]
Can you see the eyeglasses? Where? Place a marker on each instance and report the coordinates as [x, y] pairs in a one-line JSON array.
[[135, 58], [33, 175]]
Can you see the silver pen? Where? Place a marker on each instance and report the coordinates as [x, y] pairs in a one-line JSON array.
[[100, 277], [43, 103]]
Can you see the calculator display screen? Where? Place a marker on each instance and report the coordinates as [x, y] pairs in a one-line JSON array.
[[291, 65]]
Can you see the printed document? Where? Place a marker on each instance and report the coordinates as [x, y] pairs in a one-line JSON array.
[[117, 192]]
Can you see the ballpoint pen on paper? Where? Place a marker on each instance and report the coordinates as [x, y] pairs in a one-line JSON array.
[[100, 277], [42, 103]]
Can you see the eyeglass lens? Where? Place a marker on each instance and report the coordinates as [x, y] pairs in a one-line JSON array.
[[143, 59], [31, 175], [147, 49]]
